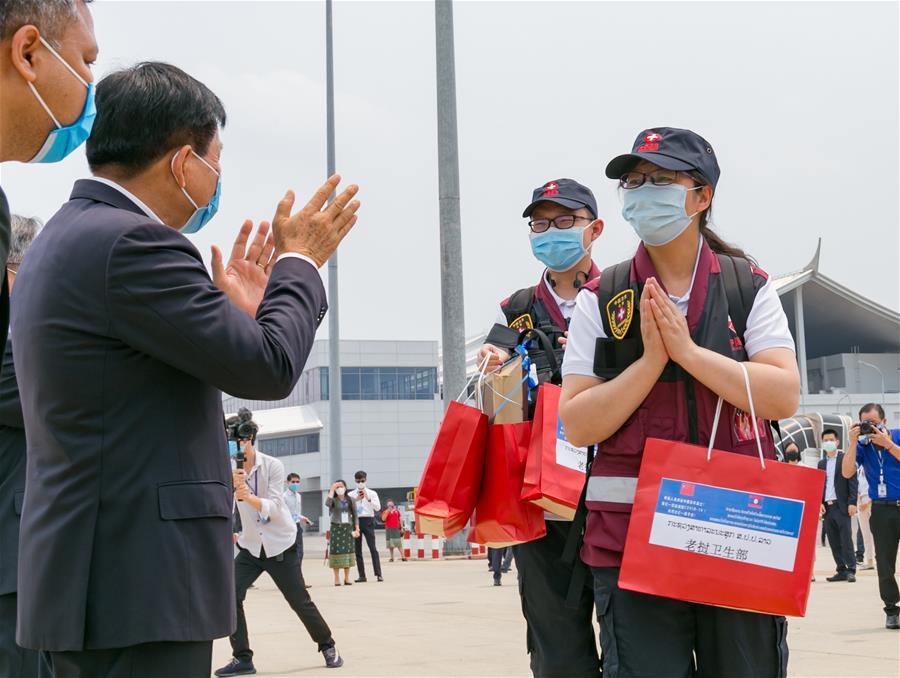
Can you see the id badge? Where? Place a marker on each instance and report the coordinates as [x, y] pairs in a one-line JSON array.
[[882, 490], [345, 517]]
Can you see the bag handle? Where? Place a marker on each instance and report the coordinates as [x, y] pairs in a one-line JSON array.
[[545, 344], [482, 366], [715, 426]]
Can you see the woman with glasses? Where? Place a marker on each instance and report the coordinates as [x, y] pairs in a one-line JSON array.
[[652, 345]]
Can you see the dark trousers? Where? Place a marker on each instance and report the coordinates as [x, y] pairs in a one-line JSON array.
[[643, 635], [367, 531], [559, 639], [285, 572], [840, 537], [15, 661], [860, 542], [885, 524], [298, 545], [148, 660]]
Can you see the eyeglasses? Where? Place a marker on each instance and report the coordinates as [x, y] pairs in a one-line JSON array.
[[562, 222], [661, 177]]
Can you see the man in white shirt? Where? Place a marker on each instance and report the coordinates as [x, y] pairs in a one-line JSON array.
[[367, 504], [295, 505], [267, 544]]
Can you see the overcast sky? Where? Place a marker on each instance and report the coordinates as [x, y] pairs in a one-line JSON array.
[[799, 100]]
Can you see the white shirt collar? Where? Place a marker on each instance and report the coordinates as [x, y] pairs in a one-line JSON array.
[[131, 196], [560, 302]]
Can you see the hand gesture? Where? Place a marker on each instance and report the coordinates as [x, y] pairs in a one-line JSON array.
[[306, 521], [854, 434], [495, 355], [245, 277], [851, 510], [821, 510], [881, 438], [672, 324], [315, 232], [654, 348], [563, 340], [243, 492], [356, 533], [238, 477]]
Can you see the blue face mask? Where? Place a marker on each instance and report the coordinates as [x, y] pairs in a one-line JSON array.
[[656, 213], [65, 139], [294, 486], [232, 448], [559, 250], [201, 215]]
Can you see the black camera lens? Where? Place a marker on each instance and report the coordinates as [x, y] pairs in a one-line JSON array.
[[866, 428]]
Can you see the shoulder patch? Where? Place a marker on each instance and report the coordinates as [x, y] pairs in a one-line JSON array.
[[522, 323], [620, 312]]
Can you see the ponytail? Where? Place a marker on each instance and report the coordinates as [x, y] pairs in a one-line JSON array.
[[716, 244]]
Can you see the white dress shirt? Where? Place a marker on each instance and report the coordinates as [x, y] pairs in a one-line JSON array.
[[295, 505], [366, 508], [830, 494], [272, 527]]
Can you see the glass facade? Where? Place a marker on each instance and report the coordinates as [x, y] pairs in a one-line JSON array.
[[357, 383], [289, 445]]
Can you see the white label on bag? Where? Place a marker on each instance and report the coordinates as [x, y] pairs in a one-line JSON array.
[[566, 453], [723, 523]]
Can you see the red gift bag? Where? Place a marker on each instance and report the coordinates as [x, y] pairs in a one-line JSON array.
[[555, 470], [450, 483], [721, 528], [501, 518]]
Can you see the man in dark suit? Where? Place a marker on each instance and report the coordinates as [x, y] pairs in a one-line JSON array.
[[46, 107], [125, 547], [15, 661], [838, 508]]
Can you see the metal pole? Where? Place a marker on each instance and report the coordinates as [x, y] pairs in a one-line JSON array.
[[453, 338], [801, 345], [334, 333]]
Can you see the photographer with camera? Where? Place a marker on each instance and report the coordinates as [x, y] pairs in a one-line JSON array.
[[266, 544], [877, 449]]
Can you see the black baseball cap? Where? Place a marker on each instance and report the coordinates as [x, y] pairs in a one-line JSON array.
[[670, 148], [566, 192]]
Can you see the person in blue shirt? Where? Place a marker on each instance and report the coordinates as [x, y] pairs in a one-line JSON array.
[[877, 449]]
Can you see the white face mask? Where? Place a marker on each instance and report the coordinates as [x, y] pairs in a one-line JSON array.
[[340, 491], [361, 486]]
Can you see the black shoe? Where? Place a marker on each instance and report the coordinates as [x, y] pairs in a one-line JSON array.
[[236, 667], [892, 622], [497, 582], [859, 557], [840, 576], [333, 660], [851, 577], [361, 580], [379, 578], [504, 570]]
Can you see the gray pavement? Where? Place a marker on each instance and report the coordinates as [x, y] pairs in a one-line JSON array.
[[444, 618]]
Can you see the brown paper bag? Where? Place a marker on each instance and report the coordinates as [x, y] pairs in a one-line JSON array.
[[506, 385]]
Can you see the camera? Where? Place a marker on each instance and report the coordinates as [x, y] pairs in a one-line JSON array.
[[867, 428], [241, 427]]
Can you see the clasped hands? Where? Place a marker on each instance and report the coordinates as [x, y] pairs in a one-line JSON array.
[[664, 329]]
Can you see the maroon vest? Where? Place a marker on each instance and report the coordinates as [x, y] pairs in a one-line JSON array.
[[677, 408]]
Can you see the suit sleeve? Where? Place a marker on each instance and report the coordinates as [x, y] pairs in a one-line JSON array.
[[161, 301], [10, 406]]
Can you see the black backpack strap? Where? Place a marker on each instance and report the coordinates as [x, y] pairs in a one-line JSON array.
[[611, 355], [739, 289]]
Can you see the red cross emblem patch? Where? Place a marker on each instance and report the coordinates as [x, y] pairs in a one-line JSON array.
[[551, 189], [653, 137], [619, 313]]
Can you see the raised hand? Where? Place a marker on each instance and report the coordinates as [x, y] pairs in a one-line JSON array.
[[313, 231], [672, 324], [654, 348], [246, 275]]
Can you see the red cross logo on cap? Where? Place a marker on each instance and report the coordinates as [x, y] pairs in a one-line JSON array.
[[551, 189], [653, 136]]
